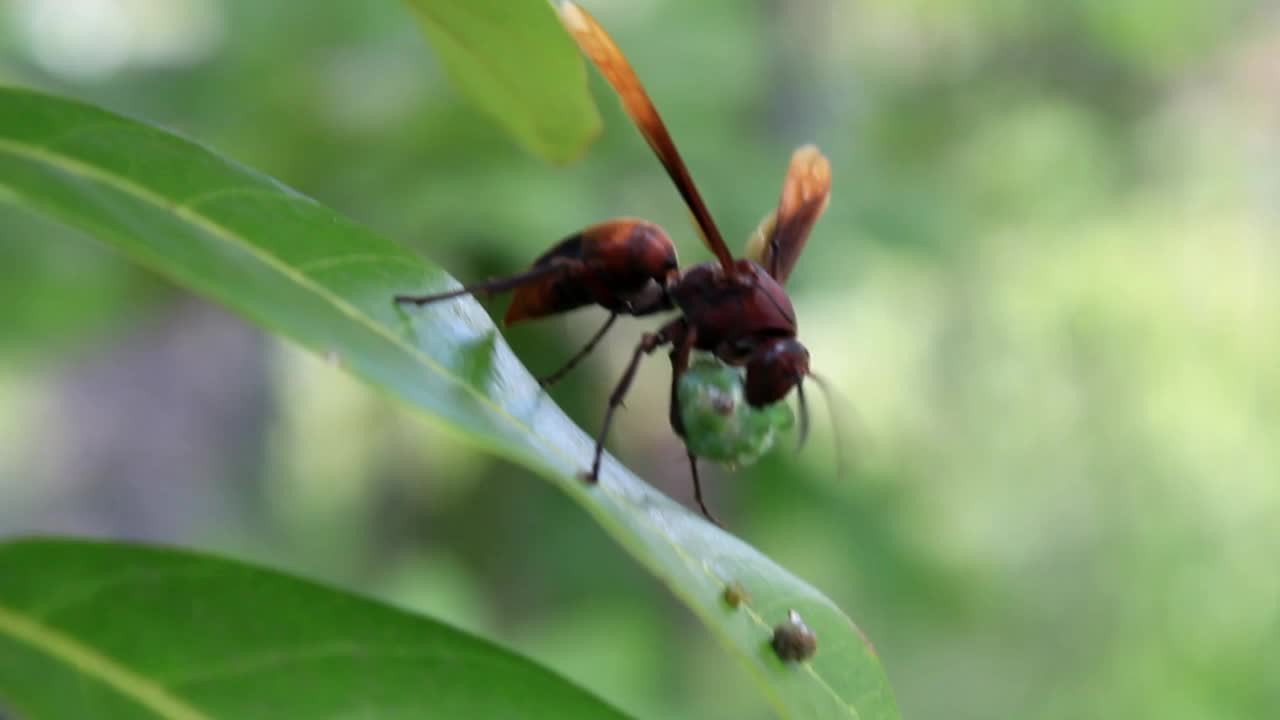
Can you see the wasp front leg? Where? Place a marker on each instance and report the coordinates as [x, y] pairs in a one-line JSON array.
[[648, 343], [683, 348]]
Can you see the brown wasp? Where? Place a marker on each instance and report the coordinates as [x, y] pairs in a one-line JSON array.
[[734, 309]]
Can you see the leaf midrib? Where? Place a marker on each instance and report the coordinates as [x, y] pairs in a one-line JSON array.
[[92, 663]]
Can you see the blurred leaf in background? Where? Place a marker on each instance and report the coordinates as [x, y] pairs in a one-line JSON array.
[[1048, 282], [227, 640], [522, 81]]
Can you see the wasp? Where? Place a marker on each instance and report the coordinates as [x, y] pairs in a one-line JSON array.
[[733, 308]]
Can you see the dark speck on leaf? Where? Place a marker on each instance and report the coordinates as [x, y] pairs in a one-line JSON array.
[[793, 641]]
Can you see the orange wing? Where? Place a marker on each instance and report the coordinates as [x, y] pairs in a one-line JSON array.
[[780, 238], [613, 65]]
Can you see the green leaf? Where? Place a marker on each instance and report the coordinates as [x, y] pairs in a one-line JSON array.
[[92, 630], [514, 60], [326, 283]]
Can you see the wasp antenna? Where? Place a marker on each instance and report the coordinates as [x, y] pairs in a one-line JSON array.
[[833, 398], [804, 415]]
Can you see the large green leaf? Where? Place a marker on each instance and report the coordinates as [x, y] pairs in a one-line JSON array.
[[514, 60], [308, 274], [100, 631]]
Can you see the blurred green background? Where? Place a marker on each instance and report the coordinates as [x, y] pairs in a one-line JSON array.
[[1049, 282]]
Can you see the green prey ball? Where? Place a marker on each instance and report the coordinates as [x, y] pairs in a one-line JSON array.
[[719, 424]]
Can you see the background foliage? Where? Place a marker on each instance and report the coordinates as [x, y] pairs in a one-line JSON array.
[[1048, 282]]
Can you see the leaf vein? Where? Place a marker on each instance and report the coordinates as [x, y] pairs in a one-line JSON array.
[[275, 659], [337, 261], [88, 591], [92, 663]]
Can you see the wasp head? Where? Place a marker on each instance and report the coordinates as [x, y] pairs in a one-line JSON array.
[[774, 368]]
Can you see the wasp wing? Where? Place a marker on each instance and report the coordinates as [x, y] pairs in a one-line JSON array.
[[613, 65], [778, 241]]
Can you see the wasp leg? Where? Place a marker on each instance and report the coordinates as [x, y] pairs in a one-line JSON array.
[[493, 285], [648, 343], [553, 378], [679, 364], [697, 490], [683, 347]]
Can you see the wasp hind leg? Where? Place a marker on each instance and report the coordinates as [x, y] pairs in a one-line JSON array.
[[492, 286]]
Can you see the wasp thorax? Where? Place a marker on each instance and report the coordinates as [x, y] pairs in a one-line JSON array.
[[651, 252], [774, 368]]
